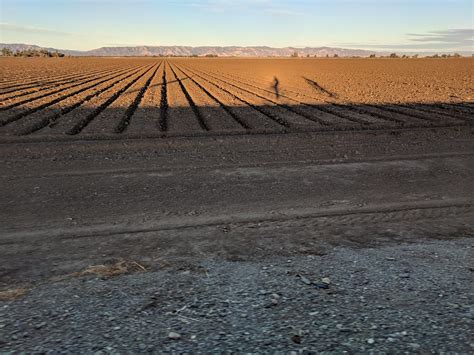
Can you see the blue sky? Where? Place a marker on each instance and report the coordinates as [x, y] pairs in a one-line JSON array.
[[410, 25]]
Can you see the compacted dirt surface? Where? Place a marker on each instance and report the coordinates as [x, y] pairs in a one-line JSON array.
[[191, 205]]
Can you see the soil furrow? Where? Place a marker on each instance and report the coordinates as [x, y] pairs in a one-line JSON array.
[[83, 123], [29, 111], [179, 118], [267, 113], [45, 81], [191, 102], [55, 91], [63, 82], [253, 119], [308, 119], [57, 117], [125, 122], [217, 118], [226, 108], [335, 110]]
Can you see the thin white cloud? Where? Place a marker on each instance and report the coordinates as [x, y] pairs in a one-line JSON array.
[[439, 40], [33, 30]]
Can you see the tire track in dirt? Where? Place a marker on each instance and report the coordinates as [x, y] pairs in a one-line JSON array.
[[85, 121], [29, 111], [218, 116], [270, 115], [362, 216], [58, 113], [55, 91]]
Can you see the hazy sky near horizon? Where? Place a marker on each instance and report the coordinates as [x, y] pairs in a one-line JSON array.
[[410, 25]]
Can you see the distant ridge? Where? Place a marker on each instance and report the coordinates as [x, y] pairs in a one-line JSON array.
[[232, 51]]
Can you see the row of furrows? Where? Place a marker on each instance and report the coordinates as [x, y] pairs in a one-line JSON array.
[[377, 111], [36, 76], [28, 111], [125, 121], [215, 87], [330, 108], [311, 112], [340, 110], [24, 92], [226, 108], [45, 120], [44, 81], [191, 102], [297, 110], [280, 121], [163, 121], [61, 89], [76, 129]]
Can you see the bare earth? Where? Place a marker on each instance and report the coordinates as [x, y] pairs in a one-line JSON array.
[[330, 209]]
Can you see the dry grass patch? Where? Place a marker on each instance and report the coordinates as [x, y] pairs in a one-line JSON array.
[[110, 270], [13, 294]]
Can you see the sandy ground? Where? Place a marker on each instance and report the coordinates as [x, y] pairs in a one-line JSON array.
[[166, 205]]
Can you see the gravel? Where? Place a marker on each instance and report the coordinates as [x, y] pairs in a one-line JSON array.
[[413, 297]]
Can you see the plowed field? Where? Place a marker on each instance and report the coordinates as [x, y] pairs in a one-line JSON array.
[[213, 197], [153, 97]]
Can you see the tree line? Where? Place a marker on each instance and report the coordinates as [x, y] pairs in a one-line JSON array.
[[7, 52]]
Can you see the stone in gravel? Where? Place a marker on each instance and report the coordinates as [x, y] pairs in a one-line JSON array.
[[174, 336], [41, 325], [142, 346], [404, 276], [276, 296], [296, 339], [322, 285], [304, 279], [326, 280], [370, 341]]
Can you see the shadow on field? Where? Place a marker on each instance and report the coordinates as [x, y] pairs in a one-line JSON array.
[[136, 120]]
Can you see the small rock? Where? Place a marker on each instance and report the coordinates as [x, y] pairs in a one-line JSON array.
[[296, 339], [174, 336], [41, 325], [142, 346], [276, 296], [322, 285], [404, 276], [305, 280], [326, 280], [370, 341]]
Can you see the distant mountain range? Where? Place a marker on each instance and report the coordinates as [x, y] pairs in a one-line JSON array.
[[234, 51]]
